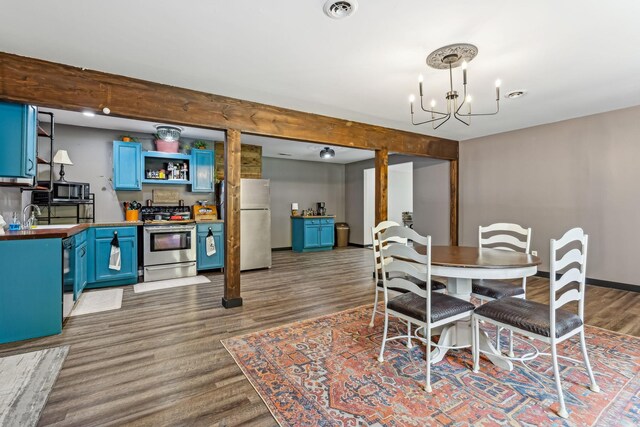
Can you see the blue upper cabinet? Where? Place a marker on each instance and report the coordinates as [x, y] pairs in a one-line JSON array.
[[18, 140], [127, 165], [202, 168]]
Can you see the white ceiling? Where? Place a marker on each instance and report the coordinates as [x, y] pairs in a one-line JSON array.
[[575, 57], [271, 147]]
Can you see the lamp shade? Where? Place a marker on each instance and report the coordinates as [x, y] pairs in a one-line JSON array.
[[62, 158]]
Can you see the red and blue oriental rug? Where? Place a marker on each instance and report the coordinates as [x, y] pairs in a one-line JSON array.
[[325, 372]]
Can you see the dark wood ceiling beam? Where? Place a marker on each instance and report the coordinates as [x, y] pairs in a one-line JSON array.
[[61, 86]]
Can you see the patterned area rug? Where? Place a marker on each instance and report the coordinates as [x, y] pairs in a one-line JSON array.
[[25, 383], [325, 372]]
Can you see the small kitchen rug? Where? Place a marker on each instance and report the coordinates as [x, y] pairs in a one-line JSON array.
[[171, 283], [97, 301], [325, 372], [25, 383]]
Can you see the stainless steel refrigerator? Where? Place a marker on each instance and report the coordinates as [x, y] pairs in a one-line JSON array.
[[255, 224]]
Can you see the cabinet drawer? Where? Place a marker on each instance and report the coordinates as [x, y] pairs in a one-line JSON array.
[[312, 222], [215, 227], [107, 232], [327, 221]]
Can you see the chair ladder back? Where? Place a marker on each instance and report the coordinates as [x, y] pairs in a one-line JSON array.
[[376, 245], [505, 236], [403, 233], [577, 258]]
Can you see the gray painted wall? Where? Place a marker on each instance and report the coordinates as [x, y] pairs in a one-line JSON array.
[[305, 183], [430, 197], [581, 172]]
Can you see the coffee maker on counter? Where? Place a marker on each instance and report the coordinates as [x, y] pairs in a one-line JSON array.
[[320, 209]]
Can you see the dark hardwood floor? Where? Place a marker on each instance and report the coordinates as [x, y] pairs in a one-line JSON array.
[[159, 360]]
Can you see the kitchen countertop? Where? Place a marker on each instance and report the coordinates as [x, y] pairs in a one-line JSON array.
[[61, 233], [312, 216]]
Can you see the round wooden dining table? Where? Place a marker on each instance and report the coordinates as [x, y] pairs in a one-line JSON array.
[[460, 265]]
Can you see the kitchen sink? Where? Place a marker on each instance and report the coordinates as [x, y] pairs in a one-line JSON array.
[[48, 227]]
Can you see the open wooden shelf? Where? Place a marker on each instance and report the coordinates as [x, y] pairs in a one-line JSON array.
[[42, 161], [42, 132]]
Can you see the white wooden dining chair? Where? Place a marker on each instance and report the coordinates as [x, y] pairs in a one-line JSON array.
[[507, 237], [375, 231], [418, 305], [548, 323]]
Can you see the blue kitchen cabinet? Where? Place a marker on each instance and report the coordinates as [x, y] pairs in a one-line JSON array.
[[202, 171], [81, 266], [99, 252], [18, 140], [208, 262], [310, 234], [30, 289], [127, 165]]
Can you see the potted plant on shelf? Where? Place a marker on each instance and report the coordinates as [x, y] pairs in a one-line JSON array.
[[127, 138], [200, 144]]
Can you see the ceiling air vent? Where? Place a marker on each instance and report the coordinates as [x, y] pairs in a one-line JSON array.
[[340, 9]]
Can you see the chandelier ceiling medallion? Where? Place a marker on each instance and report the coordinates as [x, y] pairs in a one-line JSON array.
[[448, 58]]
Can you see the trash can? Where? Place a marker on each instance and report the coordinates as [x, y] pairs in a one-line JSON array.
[[342, 234]]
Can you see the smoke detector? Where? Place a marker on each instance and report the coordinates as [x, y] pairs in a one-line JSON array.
[[339, 9]]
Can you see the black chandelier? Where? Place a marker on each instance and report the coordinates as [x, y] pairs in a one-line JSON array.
[[450, 57]]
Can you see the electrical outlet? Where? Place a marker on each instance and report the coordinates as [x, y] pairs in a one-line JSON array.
[[534, 253]]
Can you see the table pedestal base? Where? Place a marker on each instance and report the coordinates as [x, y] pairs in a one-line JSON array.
[[459, 333]]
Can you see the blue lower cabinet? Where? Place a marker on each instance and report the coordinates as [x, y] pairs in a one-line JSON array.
[[30, 289], [216, 260], [99, 250], [310, 234], [80, 268]]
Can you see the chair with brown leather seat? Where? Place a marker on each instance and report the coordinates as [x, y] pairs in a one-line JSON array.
[[418, 305], [548, 323]]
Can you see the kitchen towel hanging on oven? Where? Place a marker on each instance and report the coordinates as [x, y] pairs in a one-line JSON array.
[[115, 259], [210, 244]]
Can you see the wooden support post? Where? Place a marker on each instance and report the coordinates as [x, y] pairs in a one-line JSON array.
[[453, 202], [232, 296], [382, 184]]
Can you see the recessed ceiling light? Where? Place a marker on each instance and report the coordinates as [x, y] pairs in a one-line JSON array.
[[518, 93], [339, 9], [89, 113]]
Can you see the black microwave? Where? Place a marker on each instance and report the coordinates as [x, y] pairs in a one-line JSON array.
[[63, 192]]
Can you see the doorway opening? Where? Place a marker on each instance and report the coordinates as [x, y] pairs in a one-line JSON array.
[[400, 195]]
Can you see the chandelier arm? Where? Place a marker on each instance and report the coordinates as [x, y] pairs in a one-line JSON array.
[[482, 114], [443, 122], [428, 121], [459, 119], [464, 99], [430, 111]]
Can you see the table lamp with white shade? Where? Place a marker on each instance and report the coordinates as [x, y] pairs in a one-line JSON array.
[[62, 158]]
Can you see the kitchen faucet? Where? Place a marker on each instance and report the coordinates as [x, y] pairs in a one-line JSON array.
[[29, 222]]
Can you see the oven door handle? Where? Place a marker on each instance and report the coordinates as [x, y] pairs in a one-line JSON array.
[[169, 228], [165, 267]]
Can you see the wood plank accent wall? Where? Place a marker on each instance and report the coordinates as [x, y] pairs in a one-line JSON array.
[[54, 85], [381, 185], [453, 202], [232, 154], [250, 161]]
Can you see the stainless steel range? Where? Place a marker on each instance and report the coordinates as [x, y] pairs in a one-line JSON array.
[[169, 243]]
